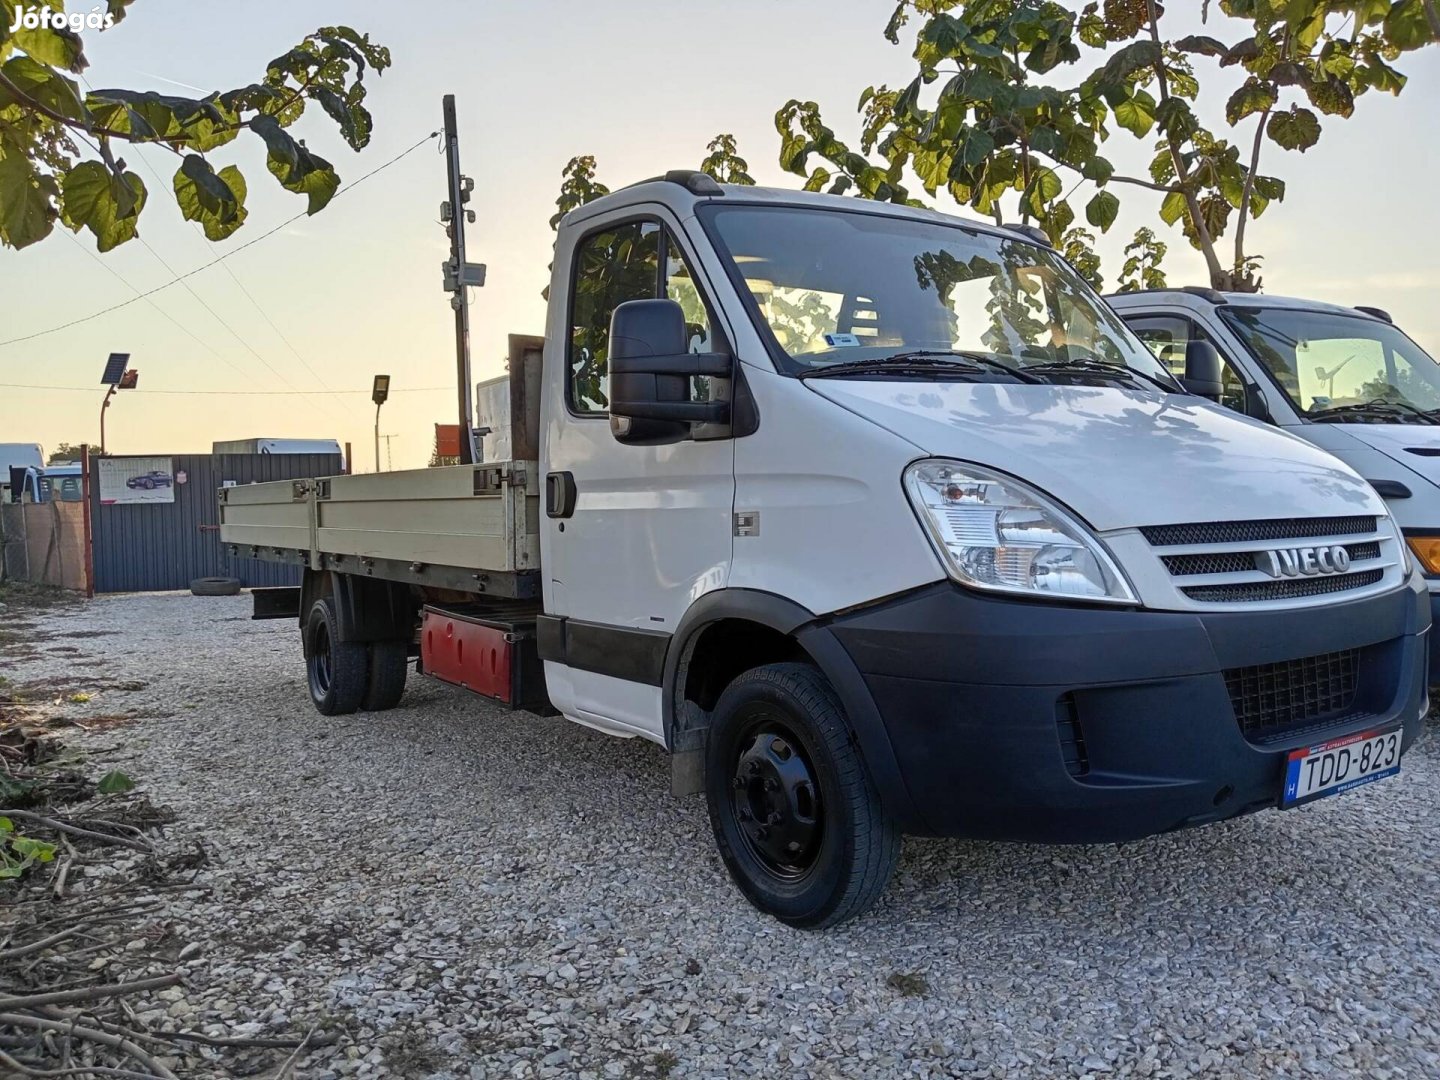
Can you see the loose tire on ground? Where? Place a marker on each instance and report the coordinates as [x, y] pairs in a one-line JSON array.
[[795, 815], [389, 663], [215, 586], [338, 671]]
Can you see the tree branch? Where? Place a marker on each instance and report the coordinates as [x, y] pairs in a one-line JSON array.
[[1182, 174], [1246, 192]]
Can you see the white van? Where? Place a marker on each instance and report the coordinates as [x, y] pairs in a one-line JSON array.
[[1346, 379], [880, 521]]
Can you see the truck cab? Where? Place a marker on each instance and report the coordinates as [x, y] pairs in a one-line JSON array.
[[1345, 379], [881, 522]]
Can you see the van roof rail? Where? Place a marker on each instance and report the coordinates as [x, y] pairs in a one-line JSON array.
[[1379, 313], [1215, 296], [1030, 232], [692, 180]]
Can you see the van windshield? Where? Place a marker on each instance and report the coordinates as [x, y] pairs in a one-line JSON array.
[[1339, 367], [836, 287]]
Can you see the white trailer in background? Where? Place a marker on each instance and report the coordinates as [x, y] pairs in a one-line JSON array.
[[277, 446]]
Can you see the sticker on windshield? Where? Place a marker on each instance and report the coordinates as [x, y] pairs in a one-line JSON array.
[[842, 341]]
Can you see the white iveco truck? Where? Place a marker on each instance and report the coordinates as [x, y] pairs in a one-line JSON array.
[[1346, 379], [882, 523]]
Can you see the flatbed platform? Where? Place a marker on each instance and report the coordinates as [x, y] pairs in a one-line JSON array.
[[470, 528]]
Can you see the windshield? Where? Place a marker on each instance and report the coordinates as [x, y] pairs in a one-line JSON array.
[[1329, 363], [836, 287]]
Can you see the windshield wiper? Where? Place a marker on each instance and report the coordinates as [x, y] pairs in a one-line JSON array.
[[923, 362], [1382, 410], [1085, 366]]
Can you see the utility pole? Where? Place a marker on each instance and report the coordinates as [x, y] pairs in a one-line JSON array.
[[459, 275]]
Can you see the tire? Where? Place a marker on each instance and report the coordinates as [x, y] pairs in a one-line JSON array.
[[215, 586], [389, 663], [338, 672], [779, 745]]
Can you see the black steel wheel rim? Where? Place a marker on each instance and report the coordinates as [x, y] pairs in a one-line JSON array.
[[775, 798], [320, 660]]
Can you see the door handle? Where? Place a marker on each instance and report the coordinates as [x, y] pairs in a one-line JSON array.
[[559, 494]]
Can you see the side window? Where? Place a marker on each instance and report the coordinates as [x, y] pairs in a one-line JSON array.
[[618, 264], [614, 266], [1167, 338]]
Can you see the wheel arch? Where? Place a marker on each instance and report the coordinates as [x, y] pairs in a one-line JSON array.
[[768, 629], [367, 609]]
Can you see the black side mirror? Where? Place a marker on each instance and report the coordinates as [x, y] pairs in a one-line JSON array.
[[1202, 369], [650, 372]]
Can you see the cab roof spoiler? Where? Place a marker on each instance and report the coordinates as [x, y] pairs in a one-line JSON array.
[[1379, 313]]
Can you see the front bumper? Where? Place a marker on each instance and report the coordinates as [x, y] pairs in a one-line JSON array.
[[983, 700]]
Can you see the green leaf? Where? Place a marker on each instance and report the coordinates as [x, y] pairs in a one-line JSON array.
[[27, 201], [1202, 45], [40, 84], [1045, 187], [55, 48], [296, 168], [1298, 129], [1406, 26], [1102, 210], [113, 783], [1136, 114], [109, 206], [1173, 208], [1253, 96], [34, 850], [215, 201]]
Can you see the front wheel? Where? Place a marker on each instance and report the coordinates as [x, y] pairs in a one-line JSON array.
[[796, 818]]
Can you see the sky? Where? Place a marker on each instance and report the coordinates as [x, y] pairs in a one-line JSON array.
[[282, 339]]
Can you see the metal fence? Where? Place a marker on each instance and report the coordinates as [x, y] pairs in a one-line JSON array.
[[43, 543], [155, 546]]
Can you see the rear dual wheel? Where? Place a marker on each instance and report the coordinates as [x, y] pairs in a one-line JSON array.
[[795, 815], [345, 676]]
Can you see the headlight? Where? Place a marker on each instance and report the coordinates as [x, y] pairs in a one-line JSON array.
[[992, 532]]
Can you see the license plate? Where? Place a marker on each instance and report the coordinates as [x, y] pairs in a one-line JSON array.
[[1341, 765]]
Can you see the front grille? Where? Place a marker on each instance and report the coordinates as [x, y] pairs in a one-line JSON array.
[[1238, 562], [1270, 698], [1292, 589], [1241, 532]]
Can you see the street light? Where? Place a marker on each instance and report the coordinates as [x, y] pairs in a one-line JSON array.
[[378, 394], [117, 377]]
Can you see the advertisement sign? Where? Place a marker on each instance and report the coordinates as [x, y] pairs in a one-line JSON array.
[[137, 480]]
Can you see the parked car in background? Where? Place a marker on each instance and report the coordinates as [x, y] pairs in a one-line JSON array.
[[61, 483], [155, 478], [1345, 379]]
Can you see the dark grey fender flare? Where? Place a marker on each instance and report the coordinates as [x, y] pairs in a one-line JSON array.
[[814, 637]]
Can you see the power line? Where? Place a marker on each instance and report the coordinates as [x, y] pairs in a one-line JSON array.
[[241, 285], [146, 297], [233, 393], [222, 258]]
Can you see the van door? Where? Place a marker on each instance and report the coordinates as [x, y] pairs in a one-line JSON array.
[[631, 535]]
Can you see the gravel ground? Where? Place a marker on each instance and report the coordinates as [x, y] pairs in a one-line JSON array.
[[475, 893]]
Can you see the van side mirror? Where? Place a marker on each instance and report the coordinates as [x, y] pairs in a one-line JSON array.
[[1202, 369], [650, 372]]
